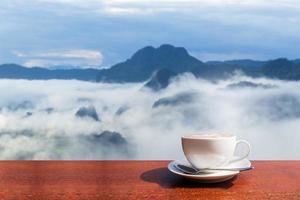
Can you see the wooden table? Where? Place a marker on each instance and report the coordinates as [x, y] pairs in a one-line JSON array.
[[140, 180]]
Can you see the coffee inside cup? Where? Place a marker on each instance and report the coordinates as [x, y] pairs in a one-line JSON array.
[[208, 136]]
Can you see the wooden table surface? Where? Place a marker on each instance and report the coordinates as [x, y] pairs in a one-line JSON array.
[[140, 180]]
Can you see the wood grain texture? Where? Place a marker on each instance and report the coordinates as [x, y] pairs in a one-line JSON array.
[[140, 180]]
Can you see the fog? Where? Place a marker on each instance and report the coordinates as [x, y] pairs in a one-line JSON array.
[[41, 119]]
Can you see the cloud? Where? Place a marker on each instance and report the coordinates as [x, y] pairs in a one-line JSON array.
[[85, 54], [135, 10], [173, 3], [78, 57], [142, 7], [47, 126]]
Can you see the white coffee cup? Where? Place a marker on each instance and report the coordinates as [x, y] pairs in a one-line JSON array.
[[211, 150]]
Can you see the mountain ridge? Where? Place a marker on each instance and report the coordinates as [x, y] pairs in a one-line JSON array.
[[146, 61], [14, 71]]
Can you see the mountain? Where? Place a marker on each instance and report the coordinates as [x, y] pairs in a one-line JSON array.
[[248, 84], [159, 65], [87, 112], [113, 145], [296, 61], [281, 68], [160, 79], [148, 60], [175, 100]]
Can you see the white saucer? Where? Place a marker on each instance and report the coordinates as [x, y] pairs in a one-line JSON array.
[[214, 176]]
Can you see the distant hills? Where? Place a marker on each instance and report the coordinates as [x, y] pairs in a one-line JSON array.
[[161, 64], [13, 71]]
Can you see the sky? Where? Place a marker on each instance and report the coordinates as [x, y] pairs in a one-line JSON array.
[[100, 33]]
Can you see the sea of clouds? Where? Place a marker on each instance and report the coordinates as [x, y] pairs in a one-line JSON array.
[[38, 121]]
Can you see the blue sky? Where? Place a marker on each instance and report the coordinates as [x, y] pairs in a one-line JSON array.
[[98, 33]]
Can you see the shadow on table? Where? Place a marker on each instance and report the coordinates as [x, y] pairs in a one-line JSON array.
[[166, 179]]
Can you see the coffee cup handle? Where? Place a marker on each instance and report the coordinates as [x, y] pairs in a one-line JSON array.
[[246, 155]]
